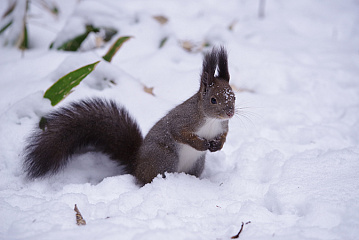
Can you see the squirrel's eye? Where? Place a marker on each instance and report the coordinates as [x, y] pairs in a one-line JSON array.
[[213, 101]]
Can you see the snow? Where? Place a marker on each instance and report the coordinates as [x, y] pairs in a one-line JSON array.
[[291, 161]]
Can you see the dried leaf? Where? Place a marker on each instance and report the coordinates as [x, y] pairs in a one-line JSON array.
[[161, 19], [148, 90], [79, 219], [9, 10], [232, 25], [187, 45], [193, 47]]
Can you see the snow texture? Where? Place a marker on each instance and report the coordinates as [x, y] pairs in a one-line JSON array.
[[291, 161]]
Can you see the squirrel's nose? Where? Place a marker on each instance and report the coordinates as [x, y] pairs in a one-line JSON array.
[[230, 112]]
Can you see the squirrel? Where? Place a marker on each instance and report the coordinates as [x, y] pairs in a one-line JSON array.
[[176, 143]]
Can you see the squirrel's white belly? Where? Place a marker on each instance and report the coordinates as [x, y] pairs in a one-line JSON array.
[[187, 154], [187, 157]]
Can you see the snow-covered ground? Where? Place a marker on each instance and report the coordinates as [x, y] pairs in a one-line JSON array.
[[290, 165]]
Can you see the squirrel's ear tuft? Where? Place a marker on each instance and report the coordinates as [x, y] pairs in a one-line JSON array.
[[209, 68], [223, 64]]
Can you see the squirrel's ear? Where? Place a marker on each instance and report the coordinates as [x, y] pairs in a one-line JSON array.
[[209, 68], [204, 80], [223, 64]]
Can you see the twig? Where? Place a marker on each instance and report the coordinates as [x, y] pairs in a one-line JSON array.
[[240, 230]]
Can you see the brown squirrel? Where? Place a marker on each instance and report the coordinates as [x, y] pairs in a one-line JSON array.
[[176, 143]]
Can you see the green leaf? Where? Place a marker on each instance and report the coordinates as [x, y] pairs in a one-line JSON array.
[[163, 42], [115, 47], [24, 42], [43, 123], [75, 43], [62, 87], [5, 27]]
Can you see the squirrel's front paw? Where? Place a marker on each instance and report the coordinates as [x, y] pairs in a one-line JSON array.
[[215, 145]]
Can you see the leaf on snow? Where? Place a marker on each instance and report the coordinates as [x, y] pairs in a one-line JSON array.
[[79, 219], [102, 34], [161, 19], [148, 90], [5, 26], [190, 46], [163, 42], [115, 47], [62, 87], [75, 43], [24, 40]]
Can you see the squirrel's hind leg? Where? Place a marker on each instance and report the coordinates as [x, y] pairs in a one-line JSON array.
[[198, 166], [151, 162]]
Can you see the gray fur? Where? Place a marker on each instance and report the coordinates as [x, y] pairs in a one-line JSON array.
[[176, 143]]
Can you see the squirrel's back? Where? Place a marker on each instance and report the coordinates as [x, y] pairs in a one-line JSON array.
[[94, 122]]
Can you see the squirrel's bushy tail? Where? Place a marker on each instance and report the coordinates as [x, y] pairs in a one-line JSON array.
[[96, 122]]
